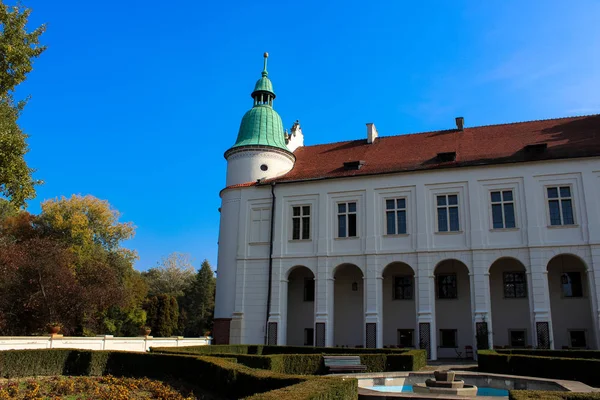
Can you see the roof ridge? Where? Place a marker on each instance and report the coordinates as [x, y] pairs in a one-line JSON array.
[[454, 129]]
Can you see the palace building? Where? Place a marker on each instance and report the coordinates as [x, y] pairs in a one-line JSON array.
[[450, 241]]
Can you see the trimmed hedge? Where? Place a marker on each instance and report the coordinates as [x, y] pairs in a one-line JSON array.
[[549, 395], [264, 350], [314, 389], [217, 375], [586, 354], [578, 369], [313, 364]]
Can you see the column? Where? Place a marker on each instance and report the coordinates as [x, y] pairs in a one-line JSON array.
[[481, 303], [594, 285], [425, 283], [323, 305], [274, 325], [372, 303], [539, 303]]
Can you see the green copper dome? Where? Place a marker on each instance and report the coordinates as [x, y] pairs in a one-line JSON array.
[[261, 125]]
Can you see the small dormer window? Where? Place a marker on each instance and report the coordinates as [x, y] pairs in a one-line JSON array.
[[353, 165], [447, 156], [536, 149]]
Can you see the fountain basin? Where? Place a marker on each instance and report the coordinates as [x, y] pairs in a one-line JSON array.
[[460, 390]]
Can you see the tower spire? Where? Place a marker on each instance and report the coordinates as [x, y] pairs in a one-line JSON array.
[[265, 73]]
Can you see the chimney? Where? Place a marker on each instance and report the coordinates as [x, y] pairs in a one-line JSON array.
[[371, 132], [460, 123]]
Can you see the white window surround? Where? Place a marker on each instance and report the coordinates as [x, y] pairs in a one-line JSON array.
[[384, 194], [559, 198], [346, 197], [574, 180], [348, 211], [259, 226], [499, 185], [458, 188]]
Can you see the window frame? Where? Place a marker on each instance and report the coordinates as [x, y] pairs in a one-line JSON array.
[[444, 346], [510, 342], [581, 285], [502, 202], [259, 208], [300, 219], [504, 274], [560, 199], [411, 285], [585, 337], [412, 337], [395, 211], [438, 286], [346, 214], [447, 207]]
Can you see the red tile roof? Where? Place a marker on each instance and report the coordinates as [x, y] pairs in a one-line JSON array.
[[483, 145]]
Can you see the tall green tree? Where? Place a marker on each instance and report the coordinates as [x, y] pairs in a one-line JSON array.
[[173, 276], [162, 315], [200, 302], [18, 49]]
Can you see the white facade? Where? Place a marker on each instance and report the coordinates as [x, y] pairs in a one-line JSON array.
[[355, 277]]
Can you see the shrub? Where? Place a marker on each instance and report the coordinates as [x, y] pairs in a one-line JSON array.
[[314, 389], [584, 370], [586, 354], [269, 350], [548, 395]]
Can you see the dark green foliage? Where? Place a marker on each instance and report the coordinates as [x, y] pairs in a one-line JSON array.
[[199, 302], [162, 315], [297, 364], [578, 369], [587, 354], [259, 349], [314, 389], [548, 395]]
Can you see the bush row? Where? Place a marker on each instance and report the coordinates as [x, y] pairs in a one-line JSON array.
[[584, 370], [258, 349], [587, 354], [547, 395], [218, 375], [314, 389], [313, 364]]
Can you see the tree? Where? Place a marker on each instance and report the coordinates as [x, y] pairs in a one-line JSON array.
[[173, 275], [18, 49], [162, 315], [200, 302]]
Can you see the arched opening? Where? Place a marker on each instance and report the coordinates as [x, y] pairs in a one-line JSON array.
[[348, 314], [399, 309], [570, 298], [511, 317], [453, 309], [300, 307]]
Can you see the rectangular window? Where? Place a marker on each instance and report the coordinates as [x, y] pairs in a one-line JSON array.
[[503, 209], [309, 337], [515, 285], [261, 225], [517, 338], [346, 219], [560, 205], [403, 288], [300, 222], [447, 286], [577, 339], [405, 337], [309, 289], [571, 284], [395, 215], [448, 338], [447, 213]]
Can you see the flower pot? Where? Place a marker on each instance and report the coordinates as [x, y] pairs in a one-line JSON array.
[[146, 331], [53, 329]]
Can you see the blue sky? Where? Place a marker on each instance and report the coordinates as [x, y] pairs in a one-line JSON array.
[[136, 101]]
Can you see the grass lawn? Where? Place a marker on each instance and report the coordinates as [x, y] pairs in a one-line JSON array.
[[104, 387]]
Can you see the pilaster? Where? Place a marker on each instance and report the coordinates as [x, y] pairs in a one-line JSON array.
[[481, 301], [425, 283], [541, 315]]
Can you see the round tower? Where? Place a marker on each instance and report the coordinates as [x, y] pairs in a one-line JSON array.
[[260, 150]]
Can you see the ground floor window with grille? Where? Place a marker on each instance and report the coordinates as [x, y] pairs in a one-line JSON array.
[[405, 337], [517, 338], [448, 338], [309, 334], [577, 339]]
